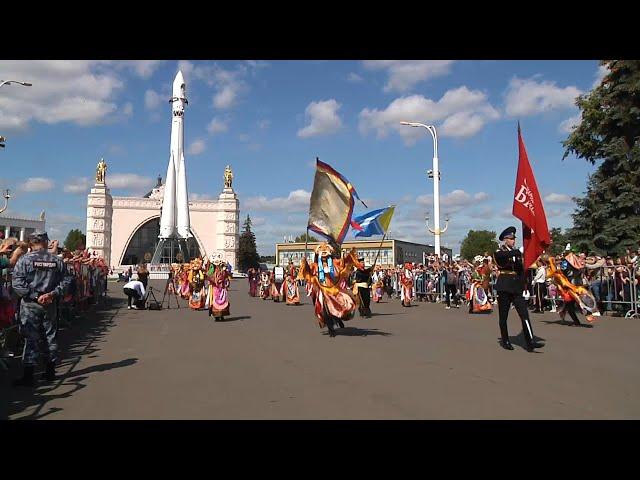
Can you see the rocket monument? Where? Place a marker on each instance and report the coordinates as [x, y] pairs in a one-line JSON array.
[[175, 225]]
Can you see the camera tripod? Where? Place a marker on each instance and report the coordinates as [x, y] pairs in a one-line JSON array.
[[169, 288]]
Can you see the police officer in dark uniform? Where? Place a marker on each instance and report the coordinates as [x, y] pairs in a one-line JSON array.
[[362, 280], [510, 285], [39, 278]]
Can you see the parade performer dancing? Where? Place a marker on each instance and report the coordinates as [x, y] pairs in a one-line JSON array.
[[377, 280], [196, 285], [290, 286], [218, 289], [510, 289], [569, 283], [330, 212], [406, 285], [265, 285], [277, 280], [333, 301], [477, 294], [361, 289]]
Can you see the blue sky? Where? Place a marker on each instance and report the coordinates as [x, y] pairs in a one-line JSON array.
[[270, 119]]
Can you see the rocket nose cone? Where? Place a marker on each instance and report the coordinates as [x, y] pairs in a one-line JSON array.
[[178, 82]]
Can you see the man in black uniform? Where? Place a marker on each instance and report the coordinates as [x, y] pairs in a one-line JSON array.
[[510, 285], [362, 280]]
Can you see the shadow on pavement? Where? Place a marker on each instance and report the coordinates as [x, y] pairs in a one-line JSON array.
[[358, 332], [233, 319], [80, 340], [567, 323], [521, 342]]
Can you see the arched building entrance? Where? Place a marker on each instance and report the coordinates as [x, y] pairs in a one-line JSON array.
[[144, 241]]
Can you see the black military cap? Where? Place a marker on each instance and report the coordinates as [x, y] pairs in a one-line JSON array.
[[39, 236], [509, 232]]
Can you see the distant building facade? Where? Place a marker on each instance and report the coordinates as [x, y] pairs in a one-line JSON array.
[[20, 228], [392, 252]]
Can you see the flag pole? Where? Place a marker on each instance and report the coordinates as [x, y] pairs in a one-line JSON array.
[[377, 254]]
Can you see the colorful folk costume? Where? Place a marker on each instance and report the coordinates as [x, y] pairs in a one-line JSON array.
[[290, 286], [477, 294], [196, 285], [183, 282], [377, 280], [406, 285], [361, 290], [218, 288], [265, 285], [570, 287], [254, 281], [277, 280], [328, 277]]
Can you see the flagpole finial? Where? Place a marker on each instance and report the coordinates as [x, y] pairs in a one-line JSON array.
[[518, 126]]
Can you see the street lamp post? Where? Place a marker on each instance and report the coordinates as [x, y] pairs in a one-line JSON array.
[[9, 82], [435, 174]]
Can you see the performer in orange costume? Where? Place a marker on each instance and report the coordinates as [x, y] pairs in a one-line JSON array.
[[290, 286], [328, 279], [406, 287], [572, 293], [218, 288]]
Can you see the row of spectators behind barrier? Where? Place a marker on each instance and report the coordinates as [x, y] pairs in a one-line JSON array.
[[89, 286]]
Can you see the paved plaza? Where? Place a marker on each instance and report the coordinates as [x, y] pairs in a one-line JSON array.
[[271, 361]]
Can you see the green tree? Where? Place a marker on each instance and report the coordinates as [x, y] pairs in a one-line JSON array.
[[75, 240], [607, 218], [477, 242], [247, 252], [559, 240], [306, 237]]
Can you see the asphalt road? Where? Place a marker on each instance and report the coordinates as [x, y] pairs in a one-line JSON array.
[[271, 361]]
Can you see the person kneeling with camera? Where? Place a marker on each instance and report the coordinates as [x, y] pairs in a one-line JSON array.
[[134, 290]]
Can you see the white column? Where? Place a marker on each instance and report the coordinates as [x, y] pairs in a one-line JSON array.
[[7, 230], [22, 234]]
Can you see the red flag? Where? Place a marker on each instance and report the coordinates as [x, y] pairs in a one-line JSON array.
[[527, 206]]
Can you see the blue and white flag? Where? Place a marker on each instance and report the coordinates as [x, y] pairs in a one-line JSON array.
[[375, 222]]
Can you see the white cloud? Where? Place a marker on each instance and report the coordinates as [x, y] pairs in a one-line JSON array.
[[602, 71], [152, 99], [143, 68], [130, 181], [226, 97], [570, 123], [405, 74], [78, 185], [558, 198], [200, 196], [37, 184], [297, 201], [76, 91], [461, 113], [528, 97], [354, 78], [217, 125], [197, 147], [323, 119], [128, 109], [264, 124]]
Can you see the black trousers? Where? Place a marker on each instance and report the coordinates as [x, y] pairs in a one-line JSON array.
[[541, 291], [451, 290], [505, 299], [131, 294], [570, 308], [365, 295]]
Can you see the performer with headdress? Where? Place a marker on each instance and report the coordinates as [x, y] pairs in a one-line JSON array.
[[196, 285], [377, 281], [328, 277], [218, 288], [254, 279], [477, 294], [361, 288], [406, 285], [277, 281], [510, 286], [290, 286]]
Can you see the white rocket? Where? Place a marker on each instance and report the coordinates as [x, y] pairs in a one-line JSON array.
[[175, 222]]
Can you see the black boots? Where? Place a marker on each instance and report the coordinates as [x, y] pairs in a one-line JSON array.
[[506, 344], [27, 378], [533, 344]]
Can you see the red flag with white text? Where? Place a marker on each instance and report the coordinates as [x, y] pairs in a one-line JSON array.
[[527, 206]]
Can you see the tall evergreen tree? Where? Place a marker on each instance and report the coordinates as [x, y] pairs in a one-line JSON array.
[[247, 252], [75, 240], [607, 218]]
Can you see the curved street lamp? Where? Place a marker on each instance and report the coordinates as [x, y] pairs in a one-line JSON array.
[[9, 82], [435, 174]]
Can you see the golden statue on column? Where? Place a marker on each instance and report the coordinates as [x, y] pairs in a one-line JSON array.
[[228, 177], [101, 171]]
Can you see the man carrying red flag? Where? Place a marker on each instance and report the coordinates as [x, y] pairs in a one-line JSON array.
[[513, 265]]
